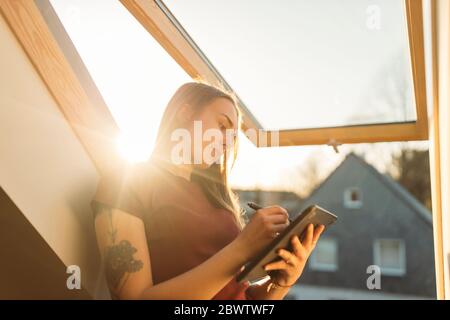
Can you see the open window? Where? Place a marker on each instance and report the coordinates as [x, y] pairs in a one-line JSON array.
[[381, 61], [373, 73]]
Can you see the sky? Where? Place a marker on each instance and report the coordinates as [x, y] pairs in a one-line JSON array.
[[317, 63]]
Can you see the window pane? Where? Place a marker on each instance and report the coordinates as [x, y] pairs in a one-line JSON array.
[[393, 181], [390, 254], [326, 252], [134, 74], [308, 64]]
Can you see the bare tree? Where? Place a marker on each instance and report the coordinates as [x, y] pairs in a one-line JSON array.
[[411, 168], [308, 176]]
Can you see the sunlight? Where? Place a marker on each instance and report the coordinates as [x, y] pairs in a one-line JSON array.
[[133, 149]]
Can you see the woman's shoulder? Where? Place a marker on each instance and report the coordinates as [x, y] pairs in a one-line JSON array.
[[137, 178], [147, 176], [127, 185], [145, 180], [142, 175]]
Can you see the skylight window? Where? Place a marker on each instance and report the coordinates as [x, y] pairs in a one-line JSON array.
[[319, 72], [308, 64]]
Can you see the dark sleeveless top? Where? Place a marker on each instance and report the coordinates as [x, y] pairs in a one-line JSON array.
[[183, 228]]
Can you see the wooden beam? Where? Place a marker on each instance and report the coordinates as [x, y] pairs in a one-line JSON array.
[[353, 134], [414, 21]]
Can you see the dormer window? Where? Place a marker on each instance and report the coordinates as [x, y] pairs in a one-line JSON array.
[[352, 198]]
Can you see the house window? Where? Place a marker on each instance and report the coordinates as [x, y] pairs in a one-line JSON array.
[[390, 256], [353, 198], [324, 256]]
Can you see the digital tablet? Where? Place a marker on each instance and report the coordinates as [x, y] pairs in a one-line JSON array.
[[254, 270]]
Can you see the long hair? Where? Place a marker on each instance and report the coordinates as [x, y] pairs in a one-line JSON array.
[[214, 179]]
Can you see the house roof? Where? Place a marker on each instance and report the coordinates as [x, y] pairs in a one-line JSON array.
[[391, 184], [283, 194], [290, 200]]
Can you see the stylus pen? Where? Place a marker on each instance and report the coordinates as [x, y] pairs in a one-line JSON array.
[[255, 206]]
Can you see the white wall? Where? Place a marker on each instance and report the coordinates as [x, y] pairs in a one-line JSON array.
[[43, 167]]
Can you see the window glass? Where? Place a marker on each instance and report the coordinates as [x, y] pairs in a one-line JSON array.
[[390, 255], [393, 182], [352, 198], [324, 256], [308, 64]]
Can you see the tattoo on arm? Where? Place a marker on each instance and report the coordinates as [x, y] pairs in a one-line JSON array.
[[118, 259]]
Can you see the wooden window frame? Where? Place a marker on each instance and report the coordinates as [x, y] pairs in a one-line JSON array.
[[157, 19], [439, 143]]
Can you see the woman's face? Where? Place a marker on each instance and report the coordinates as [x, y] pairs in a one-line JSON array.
[[213, 130]]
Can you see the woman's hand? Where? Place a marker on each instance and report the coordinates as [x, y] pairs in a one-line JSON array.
[[262, 228], [290, 267]]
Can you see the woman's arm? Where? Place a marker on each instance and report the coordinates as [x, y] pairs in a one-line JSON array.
[[125, 256], [127, 262]]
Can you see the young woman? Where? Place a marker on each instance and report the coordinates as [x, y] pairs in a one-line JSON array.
[[171, 229]]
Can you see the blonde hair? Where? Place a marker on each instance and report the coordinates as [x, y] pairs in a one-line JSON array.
[[214, 179]]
